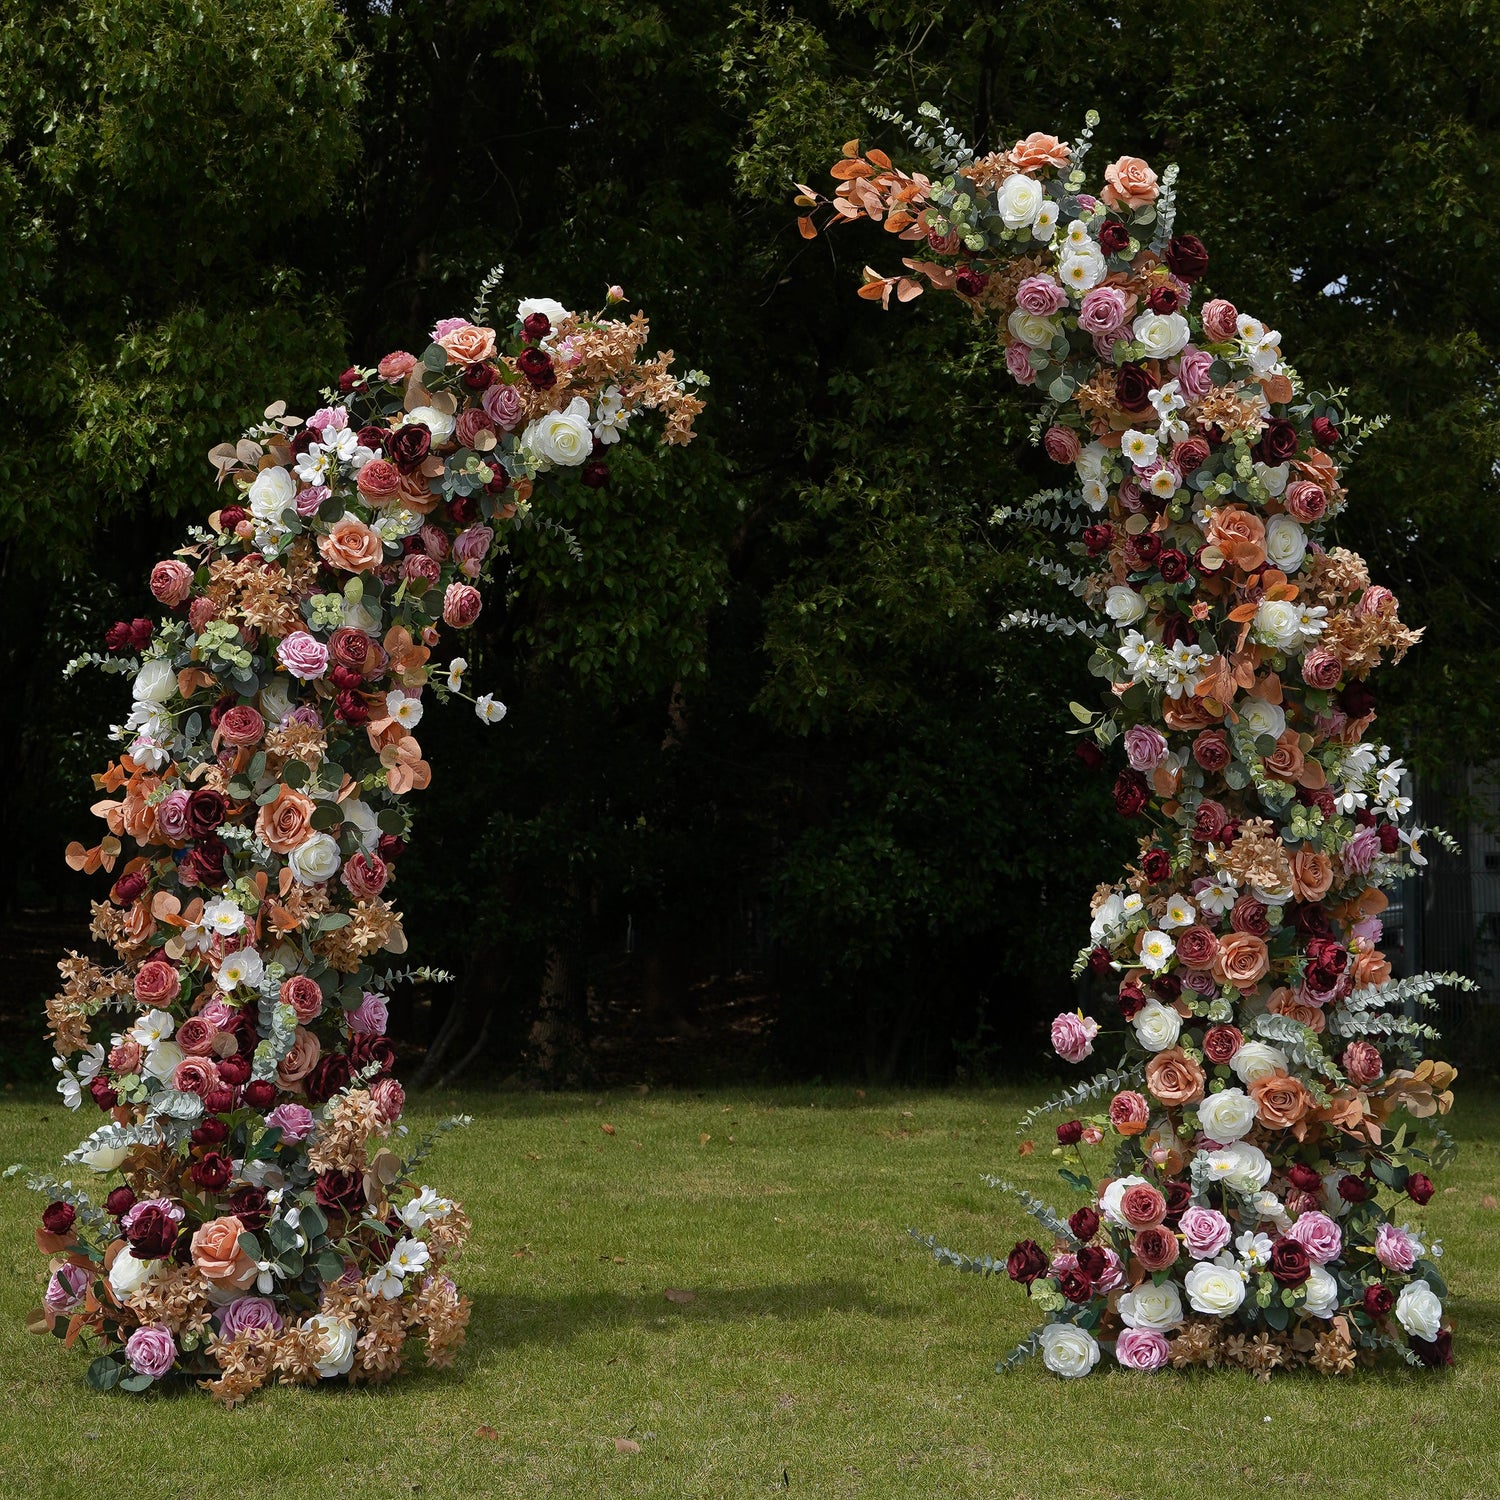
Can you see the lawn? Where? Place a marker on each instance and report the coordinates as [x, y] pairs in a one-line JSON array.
[[821, 1352]]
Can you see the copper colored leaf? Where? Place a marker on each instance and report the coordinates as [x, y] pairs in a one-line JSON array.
[[1025, 1148], [879, 158], [487, 1433], [844, 170], [607, 1129], [806, 227], [898, 221], [907, 289], [851, 148]]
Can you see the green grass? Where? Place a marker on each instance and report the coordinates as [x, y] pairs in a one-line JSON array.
[[823, 1355]]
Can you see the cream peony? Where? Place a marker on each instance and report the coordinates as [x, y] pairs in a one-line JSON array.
[[439, 423], [1214, 1289], [1033, 331], [1227, 1115], [1322, 1293], [1150, 1306], [339, 1338], [273, 492], [1259, 717], [128, 1275], [1066, 1350], [156, 682], [561, 437]]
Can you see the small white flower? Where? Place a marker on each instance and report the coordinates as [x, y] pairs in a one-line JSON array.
[[1163, 484], [1156, 950], [1082, 269], [610, 416], [153, 1027], [1180, 912], [488, 710], [241, 968], [1139, 447], [404, 708], [1044, 226], [408, 1256], [223, 918], [385, 1283], [1218, 896], [456, 669]]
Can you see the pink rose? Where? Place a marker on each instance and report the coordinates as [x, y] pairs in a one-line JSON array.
[[365, 875], [172, 816], [1142, 1349], [1102, 311], [246, 1314], [471, 546], [397, 365], [196, 1075], [1018, 362], [1205, 1231], [1192, 373], [1220, 321], [1061, 444], [171, 582], [66, 1290], [419, 572], [371, 1016], [304, 995], [1305, 501], [295, 1121], [389, 1099], [1394, 1248], [303, 655], [502, 405], [461, 605], [444, 326], [434, 541], [309, 499], [151, 1350], [329, 418], [1376, 600], [1073, 1036], [1321, 668], [1319, 1236], [1145, 748], [156, 983], [470, 424], [1040, 295], [1362, 1063], [1361, 851], [196, 1037]]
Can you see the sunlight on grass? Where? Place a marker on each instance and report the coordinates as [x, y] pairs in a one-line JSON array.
[[821, 1353]]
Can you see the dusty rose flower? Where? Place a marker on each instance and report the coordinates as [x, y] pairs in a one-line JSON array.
[[217, 1254], [200, 612], [461, 605], [1145, 747], [303, 655], [1073, 1036], [1209, 820], [1361, 852], [1377, 600], [379, 481], [1156, 1247], [1220, 321], [1322, 668], [1041, 296], [1175, 1078], [1192, 373], [468, 345], [304, 995], [1304, 501], [1142, 1206], [1319, 1235], [1220, 1043], [295, 1121], [172, 816], [1242, 960], [245, 1314], [196, 1037], [470, 424], [156, 983], [1197, 947], [1062, 444], [389, 1099], [1205, 1231], [420, 572], [1102, 311], [242, 726], [196, 1075], [1395, 1248], [470, 547], [503, 406], [397, 365], [1249, 915], [300, 1060], [1211, 749], [1362, 1063], [434, 541], [1092, 1135], [365, 875], [126, 1056], [1129, 183], [1142, 1349], [66, 1290], [1129, 1112], [171, 582], [1018, 363], [350, 545]]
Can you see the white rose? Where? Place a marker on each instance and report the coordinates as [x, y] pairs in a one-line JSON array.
[[1157, 1026], [1111, 909], [1161, 335], [1123, 605], [1066, 1350], [100, 1157], [1109, 1199], [275, 704], [273, 491], [1260, 717], [315, 861], [1082, 269], [439, 423], [364, 820], [1286, 543], [1418, 1311], [1274, 478], [1278, 623], [338, 1343], [1227, 1115], [1257, 1060], [550, 307], [1239, 1165], [561, 437], [1034, 332], [155, 682], [1020, 201], [1092, 461], [1213, 1289], [1322, 1293], [161, 1061], [128, 1274], [1150, 1306]]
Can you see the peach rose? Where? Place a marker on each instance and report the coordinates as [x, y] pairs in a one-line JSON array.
[[287, 822], [1188, 714], [1240, 536], [300, 1060], [156, 983], [397, 365], [1286, 762], [1038, 151], [379, 481], [468, 345], [1312, 874], [1281, 1101], [1284, 1003], [1175, 1078], [218, 1257], [1129, 1112], [1370, 967], [1129, 183], [304, 995], [351, 546], [171, 582], [1242, 960]]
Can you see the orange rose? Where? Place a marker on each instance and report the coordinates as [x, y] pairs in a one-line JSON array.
[[1286, 762], [1038, 151], [1240, 536], [1188, 714], [1370, 967], [468, 345], [351, 546], [1174, 1077], [287, 822], [1312, 874], [300, 1060], [218, 1257], [1130, 183], [1284, 1003], [1281, 1101], [1242, 960]]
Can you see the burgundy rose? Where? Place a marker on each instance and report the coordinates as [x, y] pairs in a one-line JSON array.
[[120, 1201], [1278, 442], [1132, 1000], [1070, 1132], [102, 1094], [536, 366], [1097, 538], [206, 810], [1089, 753], [260, 1094], [1156, 865], [1353, 1189], [1307, 1179], [342, 1191], [1075, 1285], [373, 438], [232, 515], [152, 1232], [234, 1069], [329, 1077], [221, 1099], [212, 1172], [391, 846], [1290, 1263], [479, 377], [1131, 793], [1220, 1043], [1186, 258], [1164, 299], [351, 708], [595, 474], [1167, 987], [408, 445], [970, 283], [1179, 1199], [1084, 1222], [1436, 1354], [461, 510], [1026, 1262], [1114, 237], [1172, 565], [1419, 1187], [1190, 454], [1177, 629], [210, 1133], [1357, 700], [535, 327], [251, 1207], [351, 380], [1390, 838], [1099, 962], [365, 1050], [1379, 1300], [128, 887], [1211, 749], [57, 1218], [1133, 387], [1249, 915], [1324, 432], [1093, 1260], [354, 649], [1142, 550]]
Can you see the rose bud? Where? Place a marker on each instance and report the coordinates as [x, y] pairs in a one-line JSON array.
[[220, 1100], [57, 1218], [1325, 432], [1132, 1000], [120, 1201], [1114, 237], [970, 283], [499, 484], [1307, 1178], [391, 846], [1026, 1262], [1084, 1222], [1419, 1187], [1353, 1189], [1070, 1132], [1378, 1300], [213, 1172], [234, 1069], [351, 380], [1164, 299], [232, 515], [1099, 962], [103, 1095], [210, 1133]]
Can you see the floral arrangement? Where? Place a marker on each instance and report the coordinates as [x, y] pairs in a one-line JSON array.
[[1255, 1157], [260, 1217]]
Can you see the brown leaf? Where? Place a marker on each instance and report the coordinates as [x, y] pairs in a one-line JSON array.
[[678, 1294], [879, 158], [907, 289], [806, 228], [607, 1129], [627, 1445], [851, 148], [846, 170], [704, 1138], [1025, 1148], [487, 1433], [898, 221]]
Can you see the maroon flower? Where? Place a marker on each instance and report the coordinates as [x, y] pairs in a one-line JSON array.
[[1156, 865], [57, 1218], [328, 1078], [1142, 550], [536, 366], [1278, 442], [408, 446], [350, 707], [1089, 753], [1168, 987], [234, 1069], [1390, 838], [1098, 537], [210, 1133], [1324, 432], [1075, 1285], [1379, 1300], [1131, 793], [206, 810], [1132, 1000], [1164, 299], [1133, 387], [103, 1095], [1436, 1353], [595, 474], [536, 326], [1186, 258], [1353, 1189], [119, 1202], [1114, 237], [364, 1050], [222, 1099], [128, 887], [260, 1094], [391, 846], [1290, 1263], [1099, 962], [1304, 1177], [251, 1207], [152, 1233], [1172, 565], [1026, 1262], [1092, 1260], [970, 283], [1070, 1132], [351, 380], [1084, 1222], [479, 377], [1357, 700], [231, 516], [340, 1190], [1220, 1043], [1419, 1188], [373, 438], [213, 1172]]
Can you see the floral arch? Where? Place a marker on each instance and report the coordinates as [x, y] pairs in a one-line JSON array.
[[1256, 1155], [258, 1216]]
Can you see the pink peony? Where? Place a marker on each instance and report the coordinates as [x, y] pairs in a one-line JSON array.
[[1304, 501], [1321, 668], [1205, 1231], [1319, 1236], [444, 326], [294, 1120], [397, 365], [1394, 1248], [1018, 362], [1073, 1036], [419, 572], [151, 1350], [1220, 321], [1362, 1063], [470, 547], [1145, 748], [247, 1313], [1360, 853], [1040, 295], [389, 1099], [461, 605], [172, 816], [303, 655], [1142, 1349], [1102, 311], [502, 405], [470, 424], [365, 875], [1192, 373], [171, 582]]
